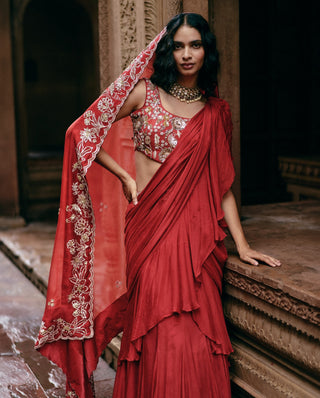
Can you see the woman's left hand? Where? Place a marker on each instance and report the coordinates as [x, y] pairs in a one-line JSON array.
[[251, 256]]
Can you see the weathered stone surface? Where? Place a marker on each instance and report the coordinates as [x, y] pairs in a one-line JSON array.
[[290, 232], [17, 380]]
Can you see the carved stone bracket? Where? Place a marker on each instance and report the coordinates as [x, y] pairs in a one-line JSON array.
[[280, 338]]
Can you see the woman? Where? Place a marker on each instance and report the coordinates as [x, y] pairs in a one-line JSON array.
[[175, 342]]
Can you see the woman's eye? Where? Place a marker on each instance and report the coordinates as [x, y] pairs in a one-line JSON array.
[[196, 45], [177, 46]]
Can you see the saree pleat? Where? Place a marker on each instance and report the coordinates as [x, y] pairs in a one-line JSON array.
[[175, 342], [175, 361]]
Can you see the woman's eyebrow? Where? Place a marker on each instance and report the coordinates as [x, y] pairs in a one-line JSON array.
[[191, 42]]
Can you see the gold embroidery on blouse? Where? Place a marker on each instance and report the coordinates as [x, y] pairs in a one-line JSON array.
[[156, 131]]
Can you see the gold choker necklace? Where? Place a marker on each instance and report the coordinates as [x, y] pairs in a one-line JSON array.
[[185, 94]]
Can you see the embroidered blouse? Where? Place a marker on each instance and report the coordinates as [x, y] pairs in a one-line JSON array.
[[156, 131]]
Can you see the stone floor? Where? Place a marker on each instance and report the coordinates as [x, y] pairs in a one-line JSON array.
[[24, 373]]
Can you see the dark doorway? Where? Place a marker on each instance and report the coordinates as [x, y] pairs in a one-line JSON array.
[[279, 83], [60, 80]]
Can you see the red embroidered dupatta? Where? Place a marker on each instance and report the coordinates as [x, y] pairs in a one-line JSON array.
[[87, 300], [88, 264]]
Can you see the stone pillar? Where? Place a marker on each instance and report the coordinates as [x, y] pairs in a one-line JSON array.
[[157, 15], [199, 7], [125, 28], [121, 36], [224, 18], [9, 200]]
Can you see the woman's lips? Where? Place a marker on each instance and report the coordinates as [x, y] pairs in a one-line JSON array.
[[187, 66]]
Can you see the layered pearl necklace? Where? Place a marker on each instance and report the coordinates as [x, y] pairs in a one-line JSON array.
[[185, 94]]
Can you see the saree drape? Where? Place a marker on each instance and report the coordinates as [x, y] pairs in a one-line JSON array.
[[175, 258], [94, 291]]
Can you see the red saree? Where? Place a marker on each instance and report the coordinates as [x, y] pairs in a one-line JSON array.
[[173, 247]]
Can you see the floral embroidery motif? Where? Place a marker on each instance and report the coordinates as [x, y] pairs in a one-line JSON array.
[[71, 394], [156, 131]]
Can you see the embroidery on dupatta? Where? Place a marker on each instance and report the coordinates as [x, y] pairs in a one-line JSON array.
[[96, 122]]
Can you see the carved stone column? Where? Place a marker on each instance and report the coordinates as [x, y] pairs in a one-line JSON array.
[[125, 28]]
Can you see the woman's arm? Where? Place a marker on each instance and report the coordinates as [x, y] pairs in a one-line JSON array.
[[233, 221], [134, 101]]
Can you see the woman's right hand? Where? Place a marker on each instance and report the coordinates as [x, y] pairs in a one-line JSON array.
[[129, 187]]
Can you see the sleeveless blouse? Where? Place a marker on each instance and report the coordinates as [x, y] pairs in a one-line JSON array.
[[156, 131]]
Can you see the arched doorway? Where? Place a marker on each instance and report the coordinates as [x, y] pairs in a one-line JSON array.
[[58, 81]]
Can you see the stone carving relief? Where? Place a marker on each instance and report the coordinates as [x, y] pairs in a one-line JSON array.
[[103, 17], [272, 333], [274, 297], [151, 12], [128, 26], [258, 373]]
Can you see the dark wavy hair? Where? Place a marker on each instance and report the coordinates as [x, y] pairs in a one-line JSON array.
[[165, 71]]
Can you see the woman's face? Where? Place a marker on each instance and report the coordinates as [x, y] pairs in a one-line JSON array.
[[188, 51]]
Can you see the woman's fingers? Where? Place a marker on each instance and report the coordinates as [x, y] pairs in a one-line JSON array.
[[252, 257], [130, 191], [134, 197], [249, 260]]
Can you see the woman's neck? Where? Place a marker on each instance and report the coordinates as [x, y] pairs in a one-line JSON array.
[[188, 81]]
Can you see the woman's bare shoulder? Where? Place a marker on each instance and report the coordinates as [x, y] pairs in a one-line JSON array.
[[139, 93], [134, 101]]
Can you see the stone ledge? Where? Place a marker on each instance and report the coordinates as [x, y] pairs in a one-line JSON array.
[[290, 232], [274, 296], [273, 314]]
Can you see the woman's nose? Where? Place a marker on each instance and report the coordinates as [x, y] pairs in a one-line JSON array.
[[186, 53]]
